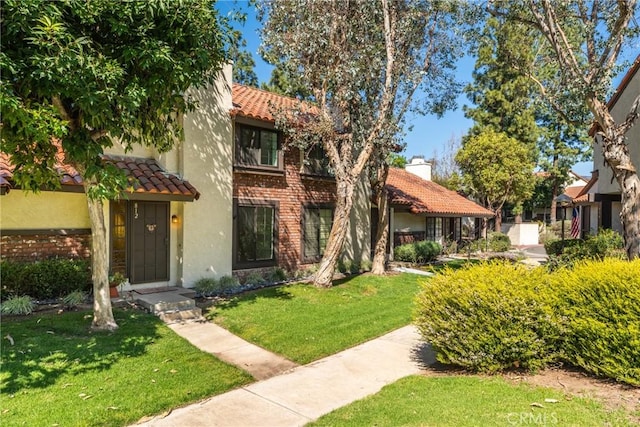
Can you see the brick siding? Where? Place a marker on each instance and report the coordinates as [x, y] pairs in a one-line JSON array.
[[34, 246], [292, 190]]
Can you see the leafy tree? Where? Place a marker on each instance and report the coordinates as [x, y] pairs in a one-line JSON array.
[[287, 84], [445, 169], [243, 71], [502, 95], [86, 73], [396, 160], [362, 62], [496, 169], [585, 39]]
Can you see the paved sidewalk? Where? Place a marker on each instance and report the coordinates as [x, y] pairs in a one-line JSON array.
[[307, 392]]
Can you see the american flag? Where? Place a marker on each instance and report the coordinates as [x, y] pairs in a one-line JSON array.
[[575, 223]]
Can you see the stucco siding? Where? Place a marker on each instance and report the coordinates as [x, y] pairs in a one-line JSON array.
[[46, 210], [207, 165], [406, 222], [606, 184]]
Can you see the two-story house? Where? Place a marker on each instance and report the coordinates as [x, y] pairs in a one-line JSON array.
[[602, 206], [227, 198]]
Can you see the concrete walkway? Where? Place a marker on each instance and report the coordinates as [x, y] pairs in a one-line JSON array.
[[303, 393]]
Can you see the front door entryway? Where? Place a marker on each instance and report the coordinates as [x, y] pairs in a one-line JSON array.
[[140, 240]]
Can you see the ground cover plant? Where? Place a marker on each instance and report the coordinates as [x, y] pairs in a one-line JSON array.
[[55, 372], [436, 401], [305, 323]]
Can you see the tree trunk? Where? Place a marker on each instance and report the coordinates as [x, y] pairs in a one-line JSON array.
[[102, 312], [344, 201], [498, 224], [554, 190], [382, 235], [616, 155]]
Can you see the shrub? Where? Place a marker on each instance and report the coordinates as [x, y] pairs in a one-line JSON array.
[[46, 279], [254, 278], [450, 247], [277, 275], [499, 242], [207, 286], [366, 265], [489, 317], [556, 247], [599, 300], [427, 251], [17, 306], [227, 283], [344, 265], [74, 299], [405, 253]]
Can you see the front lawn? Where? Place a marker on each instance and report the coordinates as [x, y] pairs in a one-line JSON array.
[[54, 371], [460, 401], [304, 323]]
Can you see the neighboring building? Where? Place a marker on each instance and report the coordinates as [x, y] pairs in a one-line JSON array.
[[574, 185], [424, 210], [600, 201], [226, 199], [284, 199]]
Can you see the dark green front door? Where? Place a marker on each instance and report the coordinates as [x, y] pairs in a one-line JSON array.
[[149, 241]]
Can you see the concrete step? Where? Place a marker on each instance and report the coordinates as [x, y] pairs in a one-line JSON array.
[[180, 315], [165, 301]]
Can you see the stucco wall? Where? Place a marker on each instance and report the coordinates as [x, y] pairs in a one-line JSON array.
[[46, 210], [521, 234], [407, 222], [606, 184], [207, 164]]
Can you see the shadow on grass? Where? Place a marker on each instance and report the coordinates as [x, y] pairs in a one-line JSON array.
[[41, 348]]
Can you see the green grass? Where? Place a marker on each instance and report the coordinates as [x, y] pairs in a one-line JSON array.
[[304, 323], [460, 401], [455, 264], [57, 372]]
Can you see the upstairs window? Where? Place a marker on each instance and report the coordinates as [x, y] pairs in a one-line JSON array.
[[316, 162], [257, 147]]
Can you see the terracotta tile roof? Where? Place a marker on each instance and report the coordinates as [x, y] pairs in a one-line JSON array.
[[147, 177], [576, 194], [258, 104], [427, 197]]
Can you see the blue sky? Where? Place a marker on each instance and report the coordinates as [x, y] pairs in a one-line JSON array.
[[427, 134]]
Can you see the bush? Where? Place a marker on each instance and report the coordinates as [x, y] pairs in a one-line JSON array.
[[17, 306], [226, 283], [405, 253], [499, 242], [277, 275], [46, 279], [427, 251], [599, 300], [74, 299], [606, 244], [254, 278], [418, 252], [207, 286], [489, 317]]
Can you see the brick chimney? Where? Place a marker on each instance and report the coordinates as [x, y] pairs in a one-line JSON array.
[[420, 167]]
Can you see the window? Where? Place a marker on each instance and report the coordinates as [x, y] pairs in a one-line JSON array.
[[434, 228], [119, 237], [257, 147], [255, 234], [316, 162], [317, 224]]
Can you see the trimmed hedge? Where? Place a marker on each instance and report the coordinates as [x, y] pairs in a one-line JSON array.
[[417, 252], [499, 242], [495, 316], [489, 318], [43, 280], [600, 302]]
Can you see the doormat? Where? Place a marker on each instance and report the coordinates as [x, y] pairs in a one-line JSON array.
[[155, 290]]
